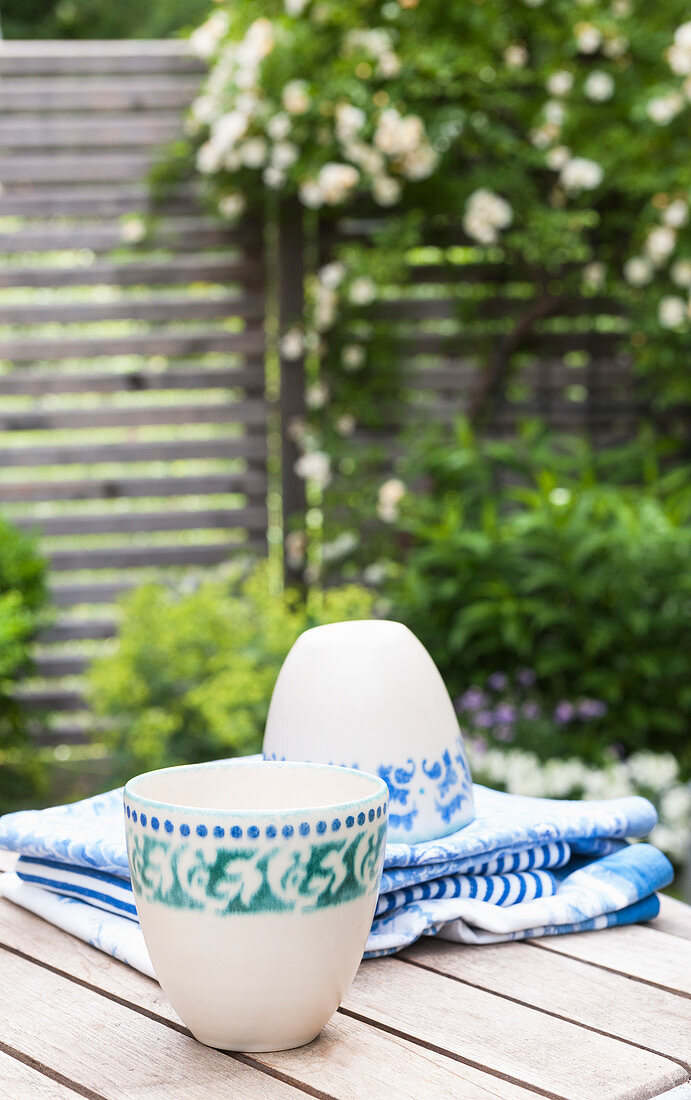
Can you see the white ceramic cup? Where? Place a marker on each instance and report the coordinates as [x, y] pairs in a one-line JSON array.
[[255, 885], [368, 695]]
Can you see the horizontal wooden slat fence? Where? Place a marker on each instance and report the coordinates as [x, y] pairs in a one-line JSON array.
[[132, 408]]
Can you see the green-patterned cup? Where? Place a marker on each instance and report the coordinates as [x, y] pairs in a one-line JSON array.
[[255, 884]]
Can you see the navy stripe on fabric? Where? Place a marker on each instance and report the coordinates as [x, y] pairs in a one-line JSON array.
[[81, 891], [74, 868]]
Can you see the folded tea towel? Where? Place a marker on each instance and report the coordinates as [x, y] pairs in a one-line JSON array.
[[111, 893], [114, 894], [523, 867], [506, 828], [114, 935], [592, 897], [606, 890]]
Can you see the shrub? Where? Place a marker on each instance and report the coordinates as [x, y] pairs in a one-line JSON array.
[[192, 675], [22, 597], [521, 557], [93, 19], [549, 142]]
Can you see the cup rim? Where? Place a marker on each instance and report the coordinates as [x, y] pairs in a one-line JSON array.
[[379, 789]]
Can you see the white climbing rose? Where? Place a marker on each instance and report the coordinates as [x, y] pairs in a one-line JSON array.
[[316, 467], [672, 311], [638, 271], [599, 86], [295, 98], [560, 83], [581, 174]]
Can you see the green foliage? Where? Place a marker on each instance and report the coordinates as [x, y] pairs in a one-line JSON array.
[[192, 675], [22, 597], [550, 142], [95, 19], [521, 556]]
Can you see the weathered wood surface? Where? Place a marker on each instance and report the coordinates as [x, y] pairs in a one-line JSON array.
[[182, 268], [650, 956], [408, 1026]]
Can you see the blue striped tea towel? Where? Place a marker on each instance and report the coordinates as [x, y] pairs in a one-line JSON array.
[[523, 867]]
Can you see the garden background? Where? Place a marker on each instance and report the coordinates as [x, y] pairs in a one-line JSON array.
[[398, 326]]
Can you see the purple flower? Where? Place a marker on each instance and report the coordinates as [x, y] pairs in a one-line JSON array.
[[484, 719], [504, 733], [480, 745], [472, 699], [531, 710], [497, 681], [563, 712], [526, 677], [505, 713], [591, 708]]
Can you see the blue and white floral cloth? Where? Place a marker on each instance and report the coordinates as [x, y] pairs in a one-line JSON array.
[[523, 867]]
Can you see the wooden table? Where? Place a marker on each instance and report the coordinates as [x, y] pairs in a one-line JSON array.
[[586, 1017]]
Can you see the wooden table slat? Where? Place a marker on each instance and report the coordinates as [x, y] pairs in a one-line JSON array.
[[637, 950], [350, 1059], [414, 1032], [674, 918], [611, 1003], [96, 1042], [19, 1080], [552, 1055]]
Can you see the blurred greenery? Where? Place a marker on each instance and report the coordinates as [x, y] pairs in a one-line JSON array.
[[192, 675], [22, 600], [94, 19], [541, 554]]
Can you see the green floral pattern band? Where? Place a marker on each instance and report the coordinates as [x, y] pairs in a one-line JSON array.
[[252, 878]]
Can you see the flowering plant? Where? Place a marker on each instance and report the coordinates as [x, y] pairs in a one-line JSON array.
[[555, 140], [655, 775], [546, 555]]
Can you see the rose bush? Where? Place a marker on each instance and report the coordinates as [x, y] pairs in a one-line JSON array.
[[556, 136]]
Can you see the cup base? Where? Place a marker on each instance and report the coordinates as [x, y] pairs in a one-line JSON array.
[[264, 1047]]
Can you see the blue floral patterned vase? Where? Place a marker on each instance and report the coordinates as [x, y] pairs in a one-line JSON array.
[[368, 695]]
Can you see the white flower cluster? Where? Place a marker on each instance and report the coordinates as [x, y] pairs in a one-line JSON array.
[[576, 174], [378, 45], [326, 290], [248, 129], [230, 144], [674, 312], [485, 214], [663, 108], [580, 174], [314, 466], [599, 86], [205, 40], [400, 147], [679, 53], [390, 495], [655, 775], [340, 547], [402, 138]]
